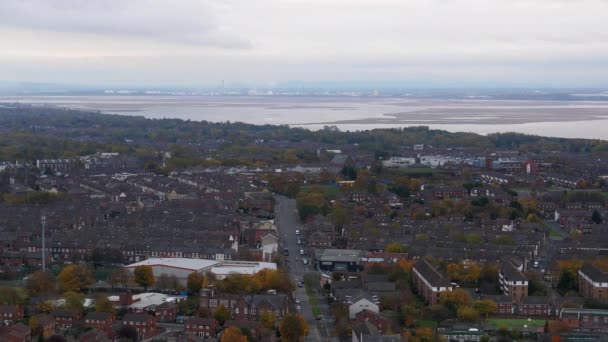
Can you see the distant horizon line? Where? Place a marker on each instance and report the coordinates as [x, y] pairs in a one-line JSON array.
[[20, 87]]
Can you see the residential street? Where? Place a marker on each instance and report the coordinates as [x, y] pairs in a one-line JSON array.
[[287, 222]]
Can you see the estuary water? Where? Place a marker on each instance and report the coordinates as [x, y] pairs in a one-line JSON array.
[[569, 119]]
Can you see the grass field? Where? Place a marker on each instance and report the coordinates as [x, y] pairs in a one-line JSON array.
[[517, 323], [553, 232], [427, 323]]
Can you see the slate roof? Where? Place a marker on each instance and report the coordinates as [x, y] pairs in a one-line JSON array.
[[339, 255], [532, 300], [277, 301], [132, 317], [594, 273], [97, 315], [511, 273], [499, 299], [429, 273]]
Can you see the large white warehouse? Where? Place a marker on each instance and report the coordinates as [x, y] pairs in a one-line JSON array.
[[182, 267]]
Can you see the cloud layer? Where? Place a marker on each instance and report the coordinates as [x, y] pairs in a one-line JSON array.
[[189, 22], [557, 42]]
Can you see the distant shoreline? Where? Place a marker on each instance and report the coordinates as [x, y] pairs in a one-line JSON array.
[[568, 119]]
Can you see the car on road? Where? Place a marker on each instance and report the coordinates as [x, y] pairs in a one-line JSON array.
[[297, 232], [286, 252], [304, 261], [300, 284], [297, 300], [299, 308], [301, 252], [299, 241]]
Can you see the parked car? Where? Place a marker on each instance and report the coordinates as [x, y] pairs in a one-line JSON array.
[[297, 232], [297, 300]]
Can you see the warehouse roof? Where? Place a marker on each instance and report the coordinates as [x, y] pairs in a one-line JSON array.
[[182, 263]]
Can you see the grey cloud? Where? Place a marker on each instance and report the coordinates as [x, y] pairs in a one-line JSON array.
[[185, 21]]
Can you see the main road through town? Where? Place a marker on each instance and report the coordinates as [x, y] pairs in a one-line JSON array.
[[287, 222]]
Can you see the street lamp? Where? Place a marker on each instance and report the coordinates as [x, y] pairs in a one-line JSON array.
[[43, 222]]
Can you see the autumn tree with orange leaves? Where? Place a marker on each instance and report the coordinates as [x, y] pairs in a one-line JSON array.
[[233, 334]]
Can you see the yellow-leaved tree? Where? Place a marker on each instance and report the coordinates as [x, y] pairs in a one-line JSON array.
[[75, 278], [144, 276]]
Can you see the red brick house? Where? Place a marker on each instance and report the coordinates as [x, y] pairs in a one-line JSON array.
[[99, 319], [201, 327], [47, 325], [378, 321], [585, 318], [64, 319], [144, 324], [529, 167], [504, 304], [534, 306], [16, 333], [429, 283], [11, 313], [592, 282], [244, 307], [166, 312], [255, 327]]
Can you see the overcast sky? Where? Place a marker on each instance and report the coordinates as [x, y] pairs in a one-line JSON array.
[[201, 42]]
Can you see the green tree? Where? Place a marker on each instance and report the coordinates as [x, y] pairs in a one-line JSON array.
[[349, 173], [103, 304], [144, 276], [596, 217], [312, 202], [485, 307], [339, 215], [567, 282], [467, 313], [45, 306], [120, 276], [9, 296], [195, 282], [293, 328], [34, 324], [396, 247], [74, 301], [221, 314], [268, 319]]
